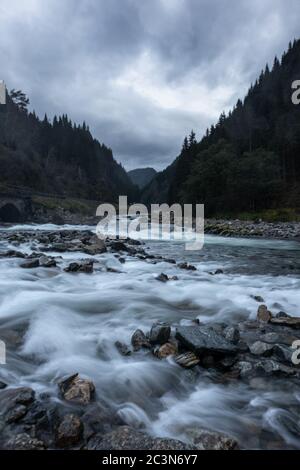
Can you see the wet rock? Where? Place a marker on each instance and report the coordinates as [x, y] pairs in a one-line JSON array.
[[139, 340], [15, 414], [98, 420], [32, 263], [2, 385], [202, 339], [77, 390], [258, 298], [82, 267], [263, 314], [69, 431], [160, 333], [219, 271], [162, 278], [13, 396], [24, 442], [281, 315], [126, 438], [282, 338], [283, 353], [187, 360], [187, 266], [271, 367], [292, 322], [95, 246], [12, 254], [259, 348], [211, 440], [119, 246], [244, 368], [231, 334], [166, 350], [123, 348], [47, 262]]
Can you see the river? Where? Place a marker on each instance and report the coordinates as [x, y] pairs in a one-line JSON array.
[[70, 322]]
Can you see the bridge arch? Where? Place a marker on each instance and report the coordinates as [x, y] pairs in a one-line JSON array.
[[9, 212]]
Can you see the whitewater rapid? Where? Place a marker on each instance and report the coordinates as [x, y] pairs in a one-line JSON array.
[[69, 323]]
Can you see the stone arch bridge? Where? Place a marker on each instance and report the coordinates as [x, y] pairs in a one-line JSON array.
[[14, 208]]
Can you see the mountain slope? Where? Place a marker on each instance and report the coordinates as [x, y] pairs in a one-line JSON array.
[[58, 157], [248, 161], [141, 176]]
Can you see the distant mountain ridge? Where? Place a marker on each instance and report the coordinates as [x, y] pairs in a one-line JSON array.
[[142, 176]]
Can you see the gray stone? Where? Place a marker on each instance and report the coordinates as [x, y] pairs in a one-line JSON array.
[[162, 278], [47, 262], [126, 438], [261, 349], [188, 267], [160, 333], [201, 339], [85, 266], [211, 440], [283, 353], [32, 263], [69, 431], [24, 442], [293, 322], [232, 334], [15, 414]]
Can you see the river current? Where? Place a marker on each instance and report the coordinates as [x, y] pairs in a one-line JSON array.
[[70, 322]]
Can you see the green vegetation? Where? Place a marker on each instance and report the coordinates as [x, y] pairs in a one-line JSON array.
[[249, 162]]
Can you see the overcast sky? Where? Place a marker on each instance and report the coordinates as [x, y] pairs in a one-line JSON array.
[[141, 73]]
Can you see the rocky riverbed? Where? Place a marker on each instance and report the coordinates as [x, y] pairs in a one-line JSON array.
[[257, 229], [81, 375]]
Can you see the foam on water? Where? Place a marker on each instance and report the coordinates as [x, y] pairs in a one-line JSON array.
[[70, 323]]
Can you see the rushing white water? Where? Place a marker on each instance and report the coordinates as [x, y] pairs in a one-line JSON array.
[[71, 321]]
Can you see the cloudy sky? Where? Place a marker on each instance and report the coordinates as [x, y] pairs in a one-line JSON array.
[[141, 73]]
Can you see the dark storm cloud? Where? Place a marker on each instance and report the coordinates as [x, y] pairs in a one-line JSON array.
[[142, 73]]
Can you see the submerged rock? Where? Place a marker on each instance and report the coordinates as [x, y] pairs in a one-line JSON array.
[[122, 348], [77, 390], [202, 339], [47, 262], [162, 278]]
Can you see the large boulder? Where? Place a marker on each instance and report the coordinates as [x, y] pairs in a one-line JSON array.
[[126, 438], [293, 322], [263, 314], [202, 340]]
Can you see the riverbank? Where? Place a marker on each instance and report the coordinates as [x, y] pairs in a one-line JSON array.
[[253, 229], [108, 348]]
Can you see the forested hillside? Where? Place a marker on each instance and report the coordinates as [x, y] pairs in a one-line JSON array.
[[248, 161], [57, 157]]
